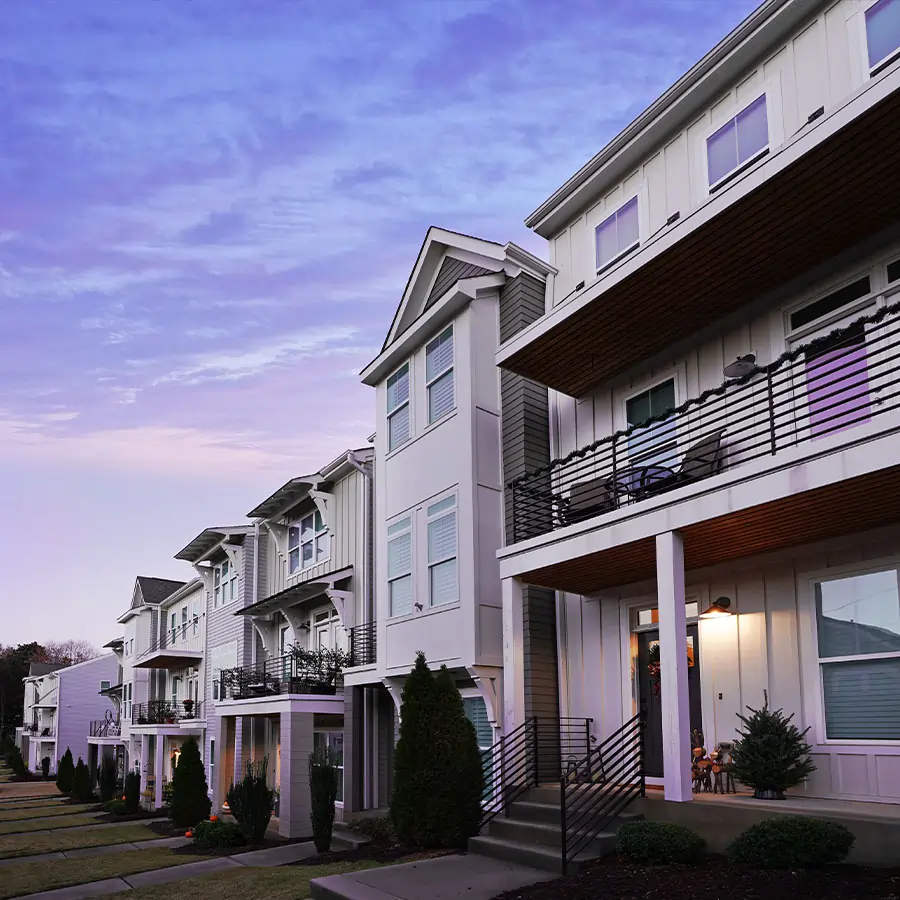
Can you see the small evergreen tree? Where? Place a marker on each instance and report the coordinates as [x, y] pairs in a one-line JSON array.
[[438, 778], [15, 761], [65, 772], [45, 767], [82, 790], [190, 801], [771, 755], [251, 801], [107, 779], [132, 789], [323, 783]]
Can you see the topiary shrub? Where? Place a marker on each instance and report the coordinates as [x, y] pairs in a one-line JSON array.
[[792, 842], [379, 828], [132, 792], [189, 802], [65, 772], [251, 801], [323, 784], [438, 777], [45, 767], [107, 779], [219, 834], [15, 762], [659, 843], [82, 789]]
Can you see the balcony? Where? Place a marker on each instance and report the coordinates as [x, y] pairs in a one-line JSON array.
[[298, 672], [363, 644], [166, 712], [837, 390], [37, 732], [105, 728], [175, 648]]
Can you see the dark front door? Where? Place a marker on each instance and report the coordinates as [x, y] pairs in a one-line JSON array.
[[650, 686]]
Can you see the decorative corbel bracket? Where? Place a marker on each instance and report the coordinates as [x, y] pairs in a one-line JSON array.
[[343, 603], [489, 681]]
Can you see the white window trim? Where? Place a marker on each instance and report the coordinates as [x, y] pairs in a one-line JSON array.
[[856, 23], [601, 212], [325, 532], [774, 120], [451, 369], [390, 413], [829, 321], [430, 564], [679, 376], [409, 517], [234, 577]]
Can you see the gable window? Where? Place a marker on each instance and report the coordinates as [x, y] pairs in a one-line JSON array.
[[308, 543], [443, 586], [858, 634], [617, 234], [398, 407], [654, 443], [225, 583], [738, 142], [400, 567], [439, 375], [882, 33]]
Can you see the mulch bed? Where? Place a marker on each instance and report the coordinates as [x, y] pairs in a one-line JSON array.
[[167, 829], [614, 878]]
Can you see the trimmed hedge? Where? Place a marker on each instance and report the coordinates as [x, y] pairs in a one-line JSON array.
[[219, 834], [659, 843], [792, 842]]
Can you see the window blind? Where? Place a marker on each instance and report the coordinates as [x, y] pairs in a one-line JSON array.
[[862, 699]]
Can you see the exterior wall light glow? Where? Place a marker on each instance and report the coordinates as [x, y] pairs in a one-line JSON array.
[[720, 607]]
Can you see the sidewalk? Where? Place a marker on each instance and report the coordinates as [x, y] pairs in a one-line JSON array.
[[103, 850]]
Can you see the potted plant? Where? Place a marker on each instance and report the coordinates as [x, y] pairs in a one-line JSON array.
[[189, 708]]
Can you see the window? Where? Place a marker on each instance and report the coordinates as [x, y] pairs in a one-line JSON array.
[[832, 302], [443, 586], [308, 543], [400, 567], [653, 443], [224, 657], [184, 622], [175, 685], [893, 271], [172, 628], [858, 625], [476, 713], [104, 686], [127, 692], [439, 375], [648, 617], [332, 743], [882, 33], [398, 407], [225, 583], [212, 763], [617, 234], [196, 619], [738, 142]]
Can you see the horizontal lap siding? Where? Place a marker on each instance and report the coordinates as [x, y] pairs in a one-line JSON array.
[[450, 272]]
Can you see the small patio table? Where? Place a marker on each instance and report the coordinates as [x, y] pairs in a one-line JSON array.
[[637, 480]]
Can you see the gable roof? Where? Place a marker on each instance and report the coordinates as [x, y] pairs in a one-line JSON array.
[[154, 590], [36, 669], [208, 539]]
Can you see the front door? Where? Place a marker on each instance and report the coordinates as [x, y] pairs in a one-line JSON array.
[[649, 687]]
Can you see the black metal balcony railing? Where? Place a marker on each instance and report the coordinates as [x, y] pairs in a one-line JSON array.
[[106, 728], [836, 382], [165, 712], [297, 672], [36, 730], [363, 644], [184, 636]]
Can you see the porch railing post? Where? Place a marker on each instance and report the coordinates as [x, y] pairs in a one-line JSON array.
[[537, 767], [772, 441], [642, 724]]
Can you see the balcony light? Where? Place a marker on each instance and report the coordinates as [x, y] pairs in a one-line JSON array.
[[718, 609], [743, 365]]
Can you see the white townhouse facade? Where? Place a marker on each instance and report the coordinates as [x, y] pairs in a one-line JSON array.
[[36, 738], [105, 737], [439, 507], [720, 517]]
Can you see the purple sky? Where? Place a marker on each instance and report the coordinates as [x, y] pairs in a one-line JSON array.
[[208, 210]]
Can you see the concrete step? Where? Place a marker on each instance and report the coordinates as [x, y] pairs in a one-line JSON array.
[[538, 856], [544, 834], [540, 811]]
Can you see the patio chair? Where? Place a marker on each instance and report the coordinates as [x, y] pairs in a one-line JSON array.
[[587, 499], [702, 459]]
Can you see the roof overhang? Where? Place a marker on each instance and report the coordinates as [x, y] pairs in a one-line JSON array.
[[112, 691], [168, 658], [298, 593], [115, 644], [759, 33], [209, 539], [829, 189], [286, 497]]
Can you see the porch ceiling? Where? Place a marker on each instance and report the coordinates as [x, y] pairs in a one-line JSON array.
[[846, 507], [169, 659], [839, 193]]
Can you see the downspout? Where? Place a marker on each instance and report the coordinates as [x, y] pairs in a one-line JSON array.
[[256, 539], [367, 475]]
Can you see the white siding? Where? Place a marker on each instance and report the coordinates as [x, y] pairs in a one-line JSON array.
[[80, 702]]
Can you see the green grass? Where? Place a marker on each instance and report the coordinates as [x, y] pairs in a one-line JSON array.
[[7, 803], [28, 878], [37, 812], [43, 822], [284, 883], [29, 844]]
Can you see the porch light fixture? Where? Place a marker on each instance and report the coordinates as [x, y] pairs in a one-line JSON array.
[[743, 365], [719, 608]]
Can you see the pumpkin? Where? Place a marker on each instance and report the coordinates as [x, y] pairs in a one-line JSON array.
[[189, 834], [213, 818]]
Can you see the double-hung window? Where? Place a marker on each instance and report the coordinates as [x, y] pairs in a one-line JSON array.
[[400, 566], [443, 584], [225, 583], [398, 407], [882, 34], [184, 623], [196, 617], [617, 234], [173, 627], [331, 744], [858, 634], [309, 543], [439, 375], [738, 142], [654, 443]]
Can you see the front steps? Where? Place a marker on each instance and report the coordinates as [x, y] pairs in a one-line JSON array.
[[530, 833]]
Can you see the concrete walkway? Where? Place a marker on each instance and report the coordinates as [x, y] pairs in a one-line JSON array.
[[105, 850], [467, 876], [97, 827]]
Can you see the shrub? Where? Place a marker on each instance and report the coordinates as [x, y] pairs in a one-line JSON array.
[[132, 791], [323, 784], [189, 802], [791, 842], [438, 778], [15, 762], [116, 807], [65, 772], [219, 834], [378, 828], [659, 843], [45, 767], [82, 789], [771, 754], [107, 779], [250, 801]]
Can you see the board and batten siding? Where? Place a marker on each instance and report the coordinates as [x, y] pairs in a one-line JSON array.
[[819, 65], [760, 649]]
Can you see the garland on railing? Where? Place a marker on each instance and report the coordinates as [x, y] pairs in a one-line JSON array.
[[769, 369]]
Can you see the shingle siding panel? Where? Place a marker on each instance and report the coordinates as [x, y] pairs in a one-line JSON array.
[[450, 272]]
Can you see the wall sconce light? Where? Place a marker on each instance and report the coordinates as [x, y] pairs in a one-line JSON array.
[[304, 626], [743, 365], [719, 608]]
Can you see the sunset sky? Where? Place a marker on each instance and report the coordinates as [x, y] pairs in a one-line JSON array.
[[208, 210]]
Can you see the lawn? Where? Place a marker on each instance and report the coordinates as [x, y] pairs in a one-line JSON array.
[[41, 823], [28, 878], [8, 803], [37, 812], [28, 844], [287, 883]]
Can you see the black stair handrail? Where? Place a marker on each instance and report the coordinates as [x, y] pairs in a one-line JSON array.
[[601, 786], [510, 769]]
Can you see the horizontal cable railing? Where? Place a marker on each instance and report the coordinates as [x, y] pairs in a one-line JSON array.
[[297, 672], [826, 387], [166, 712], [363, 644]]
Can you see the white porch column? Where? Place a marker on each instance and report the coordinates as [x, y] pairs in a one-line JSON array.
[[158, 771], [145, 762], [676, 718], [513, 655], [296, 746]]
